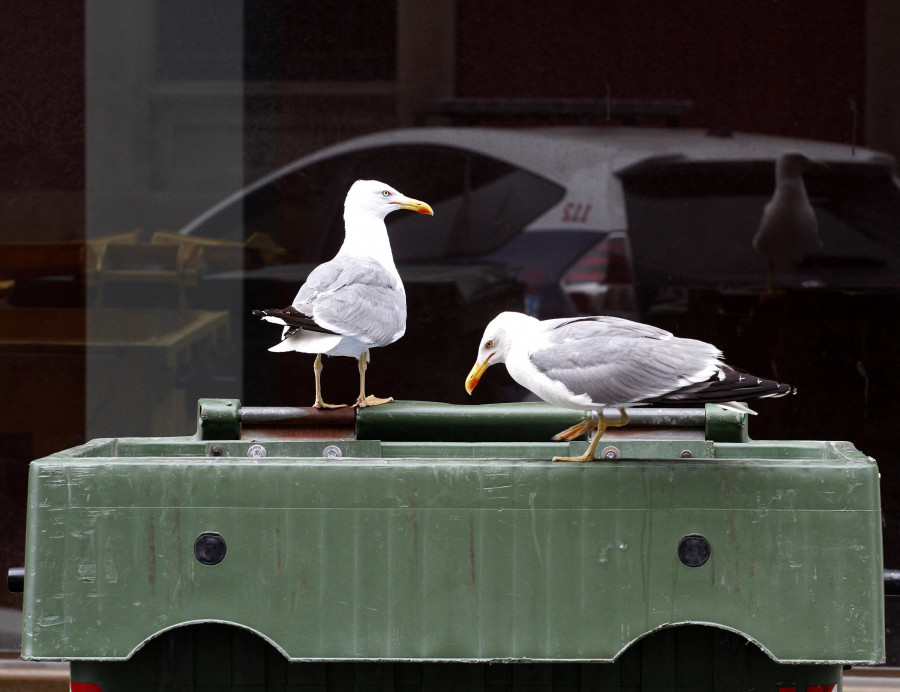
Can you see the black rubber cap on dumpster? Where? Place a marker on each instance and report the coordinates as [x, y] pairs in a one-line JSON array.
[[693, 551], [209, 548], [15, 579]]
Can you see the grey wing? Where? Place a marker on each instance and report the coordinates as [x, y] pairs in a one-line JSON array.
[[567, 328], [355, 297], [336, 274], [616, 361], [319, 280]]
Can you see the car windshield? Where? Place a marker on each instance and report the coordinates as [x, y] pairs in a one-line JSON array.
[[692, 224], [480, 202]]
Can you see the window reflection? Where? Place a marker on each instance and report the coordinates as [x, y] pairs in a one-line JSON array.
[[122, 122], [691, 225]]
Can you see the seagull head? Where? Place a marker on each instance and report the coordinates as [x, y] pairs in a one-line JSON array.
[[794, 164], [496, 342], [376, 199]]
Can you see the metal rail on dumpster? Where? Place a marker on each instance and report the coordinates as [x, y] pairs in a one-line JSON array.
[[431, 421], [266, 422], [424, 421], [262, 415]]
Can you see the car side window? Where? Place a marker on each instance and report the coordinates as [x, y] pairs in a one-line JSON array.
[[480, 203]]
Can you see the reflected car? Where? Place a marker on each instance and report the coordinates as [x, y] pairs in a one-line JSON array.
[[590, 220]]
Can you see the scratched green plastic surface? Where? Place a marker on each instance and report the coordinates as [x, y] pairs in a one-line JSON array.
[[455, 551]]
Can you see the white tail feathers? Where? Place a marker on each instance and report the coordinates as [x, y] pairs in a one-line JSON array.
[[307, 342]]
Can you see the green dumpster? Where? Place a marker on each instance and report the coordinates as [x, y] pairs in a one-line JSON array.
[[435, 545]]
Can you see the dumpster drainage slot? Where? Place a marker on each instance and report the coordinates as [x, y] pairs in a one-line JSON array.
[[693, 551], [209, 548]]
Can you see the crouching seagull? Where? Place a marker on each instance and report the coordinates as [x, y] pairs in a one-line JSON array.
[[591, 363]]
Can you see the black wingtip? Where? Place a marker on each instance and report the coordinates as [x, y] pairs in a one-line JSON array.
[[736, 385], [291, 317], [783, 389]]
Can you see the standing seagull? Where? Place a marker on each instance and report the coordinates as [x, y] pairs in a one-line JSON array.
[[589, 363], [788, 228], [356, 300]]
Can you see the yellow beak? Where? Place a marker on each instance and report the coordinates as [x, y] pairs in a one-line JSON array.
[[415, 205], [476, 372]]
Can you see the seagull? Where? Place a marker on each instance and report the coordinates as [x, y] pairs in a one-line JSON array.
[[590, 363], [788, 228], [355, 301]]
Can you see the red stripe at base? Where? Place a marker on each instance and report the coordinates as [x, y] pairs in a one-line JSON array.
[[84, 687]]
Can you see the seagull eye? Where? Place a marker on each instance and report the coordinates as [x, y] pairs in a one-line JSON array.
[[489, 343], [386, 193]]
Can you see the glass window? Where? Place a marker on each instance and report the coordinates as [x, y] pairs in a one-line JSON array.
[[123, 120]]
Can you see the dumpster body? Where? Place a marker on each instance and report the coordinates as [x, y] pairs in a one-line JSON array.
[[391, 550]]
